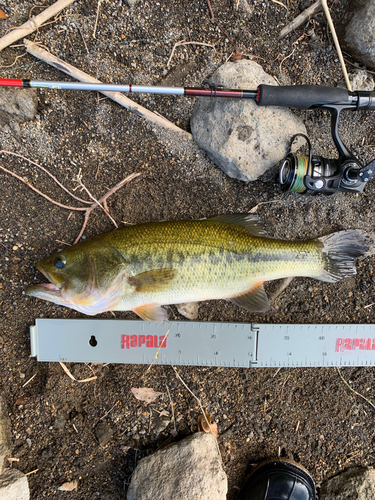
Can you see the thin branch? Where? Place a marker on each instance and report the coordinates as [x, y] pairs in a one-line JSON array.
[[213, 19], [280, 3], [63, 366], [337, 44], [200, 405], [97, 18], [39, 192], [34, 23], [302, 18], [158, 351], [178, 44], [14, 62], [92, 205], [118, 97], [79, 180], [109, 411], [170, 399], [102, 200], [48, 173], [355, 392]]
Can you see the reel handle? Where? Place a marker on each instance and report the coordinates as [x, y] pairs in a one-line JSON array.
[[314, 96]]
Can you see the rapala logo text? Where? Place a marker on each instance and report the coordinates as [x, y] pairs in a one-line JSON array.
[[128, 341], [355, 344]]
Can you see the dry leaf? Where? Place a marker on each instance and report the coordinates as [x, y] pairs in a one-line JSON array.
[[69, 486], [2, 14], [209, 428], [145, 394], [236, 56]]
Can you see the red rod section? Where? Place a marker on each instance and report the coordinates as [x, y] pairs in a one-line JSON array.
[[5, 82]]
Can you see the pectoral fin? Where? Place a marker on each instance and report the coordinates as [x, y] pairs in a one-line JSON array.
[[152, 312], [255, 300], [156, 280]]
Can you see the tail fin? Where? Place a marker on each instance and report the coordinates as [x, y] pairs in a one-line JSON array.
[[340, 251]]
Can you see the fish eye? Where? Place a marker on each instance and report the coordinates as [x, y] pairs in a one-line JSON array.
[[60, 262]]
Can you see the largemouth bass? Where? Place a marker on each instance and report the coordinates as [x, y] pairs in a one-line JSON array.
[[144, 266]]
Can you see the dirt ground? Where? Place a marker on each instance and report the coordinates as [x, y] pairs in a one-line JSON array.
[[305, 414]]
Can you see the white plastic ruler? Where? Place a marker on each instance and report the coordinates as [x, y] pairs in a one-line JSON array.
[[202, 344]]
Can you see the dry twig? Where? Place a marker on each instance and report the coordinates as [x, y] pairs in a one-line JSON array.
[[280, 3], [109, 411], [302, 18], [158, 351], [14, 62], [200, 405], [31, 472], [213, 19], [170, 399], [28, 382], [118, 97], [178, 44], [64, 367], [337, 44], [355, 392], [97, 18], [34, 23], [92, 205]]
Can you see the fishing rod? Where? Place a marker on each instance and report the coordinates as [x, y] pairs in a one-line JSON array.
[[299, 173]]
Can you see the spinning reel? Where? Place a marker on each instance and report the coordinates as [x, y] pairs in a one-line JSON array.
[[315, 174]]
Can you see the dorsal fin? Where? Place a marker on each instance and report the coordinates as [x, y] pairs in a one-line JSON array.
[[250, 222]]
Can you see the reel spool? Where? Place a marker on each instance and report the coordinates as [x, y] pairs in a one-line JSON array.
[[316, 174]]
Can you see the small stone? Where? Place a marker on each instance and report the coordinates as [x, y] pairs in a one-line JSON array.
[[14, 485], [189, 310], [60, 420], [17, 105], [160, 422], [190, 468], [131, 3], [103, 433]]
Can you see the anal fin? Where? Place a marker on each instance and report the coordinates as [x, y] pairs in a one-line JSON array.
[[153, 313], [254, 300]]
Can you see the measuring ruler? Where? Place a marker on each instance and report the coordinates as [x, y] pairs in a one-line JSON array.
[[202, 344]]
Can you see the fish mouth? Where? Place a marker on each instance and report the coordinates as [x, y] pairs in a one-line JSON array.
[[47, 291]]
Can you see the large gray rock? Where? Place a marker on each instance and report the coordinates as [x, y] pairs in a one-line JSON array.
[[5, 434], [357, 483], [188, 469], [14, 485], [356, 31], [240, 137]]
